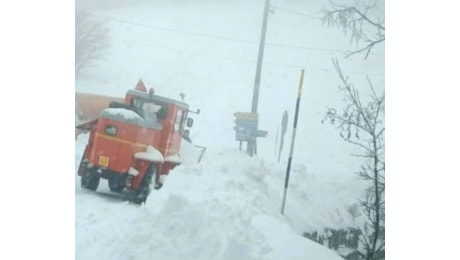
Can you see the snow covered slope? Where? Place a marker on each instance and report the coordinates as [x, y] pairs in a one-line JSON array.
[[220, 209]]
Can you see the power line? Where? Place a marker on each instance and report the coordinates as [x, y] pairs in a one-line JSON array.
[[183, 32], [277, 45], [244, 60], [296, 12]]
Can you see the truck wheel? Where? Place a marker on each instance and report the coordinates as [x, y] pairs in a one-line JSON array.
[[146, 186], [116, 184], [90, 179]]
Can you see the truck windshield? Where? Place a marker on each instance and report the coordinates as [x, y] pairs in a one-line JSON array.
[[153, 112], [150, 113]]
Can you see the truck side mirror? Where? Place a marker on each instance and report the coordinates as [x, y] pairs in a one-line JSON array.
[[189, 122], [195, 112]]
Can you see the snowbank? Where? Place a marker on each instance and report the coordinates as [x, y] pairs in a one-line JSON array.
[[219, 209]]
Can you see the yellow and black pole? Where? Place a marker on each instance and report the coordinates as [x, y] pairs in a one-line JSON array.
[[292, 142]]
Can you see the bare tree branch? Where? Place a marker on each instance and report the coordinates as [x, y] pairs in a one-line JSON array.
[[91, 40], [364, 17], [367, 118], [367, 48], [355, 19]]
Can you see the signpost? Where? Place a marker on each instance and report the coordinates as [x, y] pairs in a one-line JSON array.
[[246, 128], [284, 122], [246, 125]]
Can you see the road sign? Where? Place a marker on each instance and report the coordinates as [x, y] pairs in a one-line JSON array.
[[246, 126], [261, 133], [284, 122], [246, 116]]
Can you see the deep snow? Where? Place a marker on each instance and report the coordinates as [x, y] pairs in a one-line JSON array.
[[213, 210], [228, 206]]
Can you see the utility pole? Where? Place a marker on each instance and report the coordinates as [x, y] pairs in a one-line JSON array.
[[252, 144]]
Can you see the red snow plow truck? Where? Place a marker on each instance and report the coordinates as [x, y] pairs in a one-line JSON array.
[[134, 144]]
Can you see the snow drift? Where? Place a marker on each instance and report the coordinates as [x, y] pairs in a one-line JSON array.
[[219, 209]]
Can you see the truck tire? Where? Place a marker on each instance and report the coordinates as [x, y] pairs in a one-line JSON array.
[[146, 186], [117, 184], [90, 179]]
